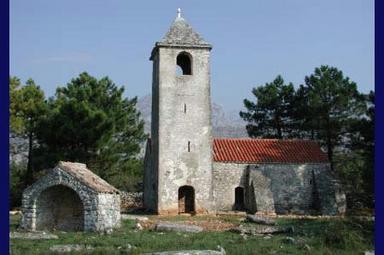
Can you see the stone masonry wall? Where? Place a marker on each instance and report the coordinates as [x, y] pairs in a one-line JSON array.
[[151, 158], [288, 187], [332, 199], [108, 211], [226, 177], [150, 182], [93, 207], [184, 117], [130, 200], [279, 188]]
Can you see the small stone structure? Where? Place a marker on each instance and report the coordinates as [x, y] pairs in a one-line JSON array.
[[189, 171], [71, 198]]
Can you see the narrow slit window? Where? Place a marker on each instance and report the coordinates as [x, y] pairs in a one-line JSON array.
[[185, 108], [184, 64], [189, 146]]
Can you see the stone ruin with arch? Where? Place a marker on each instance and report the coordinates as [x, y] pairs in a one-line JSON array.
[[71, 198]]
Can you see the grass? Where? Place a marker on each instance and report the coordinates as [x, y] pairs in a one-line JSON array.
[[316, 236]]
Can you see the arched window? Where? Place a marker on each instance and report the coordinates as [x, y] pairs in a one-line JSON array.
[[184, 62]]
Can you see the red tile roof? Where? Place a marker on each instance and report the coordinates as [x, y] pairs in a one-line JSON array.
[[267, 151]]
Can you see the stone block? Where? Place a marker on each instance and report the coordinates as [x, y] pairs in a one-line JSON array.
[[165, 226]]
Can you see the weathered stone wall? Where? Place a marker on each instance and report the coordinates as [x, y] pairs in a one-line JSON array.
[[149, 181], [289, 187], [226, 177], [38, 197], [108, 209], [331, 196], [182, 115], [131, 200], [151, 159], [279, 188]]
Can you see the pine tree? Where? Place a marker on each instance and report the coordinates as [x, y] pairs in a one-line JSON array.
[[271, 115], [91, 122], [333, 100], [27, 107]]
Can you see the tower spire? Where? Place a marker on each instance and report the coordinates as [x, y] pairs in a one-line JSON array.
[[178, 13]]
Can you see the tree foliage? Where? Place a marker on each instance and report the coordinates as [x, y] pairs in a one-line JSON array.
[[27, 107], [356, 166], [91, 122], [333, 101], [270, 116], [327, 108]]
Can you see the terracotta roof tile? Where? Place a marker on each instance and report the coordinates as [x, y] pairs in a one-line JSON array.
[[267, 151]]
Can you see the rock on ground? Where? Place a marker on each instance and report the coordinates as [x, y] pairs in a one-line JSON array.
[[64, 248], [220, 251], [260, 219], [258, 229], [133, 217], [165, 226], [32, 235]]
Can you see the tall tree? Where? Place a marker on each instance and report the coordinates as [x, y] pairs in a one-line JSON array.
[[271, 115], [361, 145], [333, 100], [91, 122], [27, 107]]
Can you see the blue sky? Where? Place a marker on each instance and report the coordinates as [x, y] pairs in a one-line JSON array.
[[53, 41]]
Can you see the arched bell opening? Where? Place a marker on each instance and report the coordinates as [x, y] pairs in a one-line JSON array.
[[184, 64]]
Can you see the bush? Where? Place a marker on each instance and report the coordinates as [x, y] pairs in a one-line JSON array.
[[16, 183]]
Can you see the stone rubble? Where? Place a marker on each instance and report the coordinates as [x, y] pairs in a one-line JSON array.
[[166, 226], [67, 248], [261, 219], [220, 251], [259, 229], [32, 235], [133, 217]]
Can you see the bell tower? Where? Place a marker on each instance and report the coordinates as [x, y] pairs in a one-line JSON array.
[[180, 175]]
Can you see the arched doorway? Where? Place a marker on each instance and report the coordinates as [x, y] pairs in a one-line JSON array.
[[239, 198], [60, 208], [186, 199]]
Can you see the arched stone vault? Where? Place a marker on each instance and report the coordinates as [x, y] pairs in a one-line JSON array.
[[81, 190]]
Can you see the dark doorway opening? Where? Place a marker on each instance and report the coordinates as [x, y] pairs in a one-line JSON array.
[[59, 208], [239, 198], [186, 199]]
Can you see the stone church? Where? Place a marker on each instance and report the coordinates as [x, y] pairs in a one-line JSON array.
[[189, 171]]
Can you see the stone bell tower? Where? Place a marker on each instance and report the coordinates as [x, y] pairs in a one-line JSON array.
[[178, 175]]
